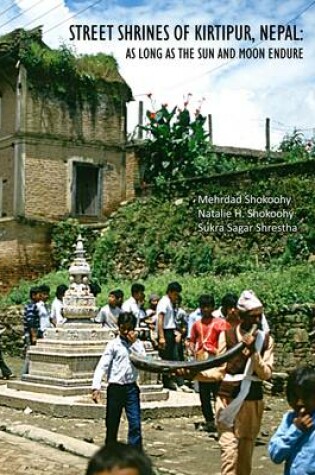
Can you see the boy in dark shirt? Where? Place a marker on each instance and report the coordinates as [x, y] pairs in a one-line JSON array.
[[31, 324]]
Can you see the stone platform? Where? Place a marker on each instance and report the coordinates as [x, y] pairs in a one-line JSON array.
[[63, 363], [174, 404]]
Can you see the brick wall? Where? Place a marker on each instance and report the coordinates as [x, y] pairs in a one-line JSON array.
[[45, 187], [46, 116], [132, 174], [49, 175], [8, 105], [6, 150], [7, 176], [24, 251]]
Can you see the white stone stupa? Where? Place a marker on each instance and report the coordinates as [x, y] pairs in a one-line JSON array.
[[63, 362]]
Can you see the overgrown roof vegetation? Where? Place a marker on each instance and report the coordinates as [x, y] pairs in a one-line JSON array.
[[61, 74]]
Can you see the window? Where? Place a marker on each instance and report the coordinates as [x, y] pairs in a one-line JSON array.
[[86, 190]]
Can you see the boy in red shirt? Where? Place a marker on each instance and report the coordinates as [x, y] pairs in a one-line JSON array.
[[203, 344]]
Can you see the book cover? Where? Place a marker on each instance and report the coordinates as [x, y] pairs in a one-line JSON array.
[[197, 164]]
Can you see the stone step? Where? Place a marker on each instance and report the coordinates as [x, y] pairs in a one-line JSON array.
[[177, 405], [82, 387]]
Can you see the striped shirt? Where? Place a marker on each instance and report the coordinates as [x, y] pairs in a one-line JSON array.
[[31, 317]]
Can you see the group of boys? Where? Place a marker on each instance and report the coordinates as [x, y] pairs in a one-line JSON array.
[[236, 385], [38, 316], [293, 442]]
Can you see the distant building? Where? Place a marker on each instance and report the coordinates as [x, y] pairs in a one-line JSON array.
[[62, 139], [60, 155]]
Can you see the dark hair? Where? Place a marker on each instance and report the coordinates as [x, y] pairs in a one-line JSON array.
[[119, 455], [95, 289], [119, 294], [126, 318], [206, 300], [174, 287], [44, 288], [33, 290], [135, 288], [61, 290], [301, 383], [229, 300]]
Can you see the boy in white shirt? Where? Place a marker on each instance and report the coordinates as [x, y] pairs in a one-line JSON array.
[[122, 390]]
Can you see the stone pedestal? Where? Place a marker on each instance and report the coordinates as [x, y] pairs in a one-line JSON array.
[[63, 363]]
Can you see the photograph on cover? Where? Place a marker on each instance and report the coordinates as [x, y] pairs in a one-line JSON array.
[[157, 236]]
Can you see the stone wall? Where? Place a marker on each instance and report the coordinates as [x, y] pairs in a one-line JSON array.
[[24, 251], [12, 339], [52, 117], [291, 329]]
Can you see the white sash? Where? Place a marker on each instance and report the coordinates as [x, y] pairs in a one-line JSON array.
[[228, 414]]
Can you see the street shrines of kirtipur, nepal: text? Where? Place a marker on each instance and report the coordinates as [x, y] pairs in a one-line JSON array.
[[180, 32]]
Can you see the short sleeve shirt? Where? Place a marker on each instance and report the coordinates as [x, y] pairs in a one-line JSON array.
[[165, 306]]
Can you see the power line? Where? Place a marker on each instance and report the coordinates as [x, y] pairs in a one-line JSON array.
[[251, 47], [20, 14], [43, 14], [7, 9], [73, 16]]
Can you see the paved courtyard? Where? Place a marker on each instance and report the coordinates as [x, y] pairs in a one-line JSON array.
[[174, 444], [21, 456]]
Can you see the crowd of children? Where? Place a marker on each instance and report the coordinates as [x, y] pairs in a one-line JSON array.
[[231, 395]]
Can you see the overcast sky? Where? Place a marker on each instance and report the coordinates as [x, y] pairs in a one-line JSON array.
[[239, 93]]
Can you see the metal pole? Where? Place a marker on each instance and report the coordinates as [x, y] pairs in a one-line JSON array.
[[210, 129], [267, 134], [140, 120]]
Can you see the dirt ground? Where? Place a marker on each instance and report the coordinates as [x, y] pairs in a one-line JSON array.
[[174, 445]]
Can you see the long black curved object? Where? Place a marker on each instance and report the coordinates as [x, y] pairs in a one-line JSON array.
[[166, 366]]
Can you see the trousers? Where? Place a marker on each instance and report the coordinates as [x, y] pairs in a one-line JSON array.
[[169, 353], [119, 397], [5, 370], [237, 443], [207, 393]]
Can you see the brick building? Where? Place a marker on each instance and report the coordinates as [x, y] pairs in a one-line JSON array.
[[62, 139]]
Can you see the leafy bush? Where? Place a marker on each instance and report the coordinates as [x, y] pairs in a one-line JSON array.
[[296, 147]]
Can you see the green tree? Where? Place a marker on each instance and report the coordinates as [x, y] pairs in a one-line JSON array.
[[297, 147], [177, 147]]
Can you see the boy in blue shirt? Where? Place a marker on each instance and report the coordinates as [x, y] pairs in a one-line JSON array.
[[294, 440], [122, 390]]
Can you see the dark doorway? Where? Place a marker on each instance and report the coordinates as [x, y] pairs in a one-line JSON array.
[[86, 190]]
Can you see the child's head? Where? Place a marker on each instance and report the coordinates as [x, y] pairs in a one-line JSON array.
[[301, 389], [44, 291], [154, 300], [137, 291], [173, 291], [119, 297], [112, 300], [61, 290], [35, 294], [126, 323], [206, 305], [229, 307], [119, 459]]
